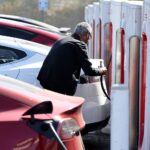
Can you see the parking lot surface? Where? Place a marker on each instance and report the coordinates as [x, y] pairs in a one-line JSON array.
[[96, 141]]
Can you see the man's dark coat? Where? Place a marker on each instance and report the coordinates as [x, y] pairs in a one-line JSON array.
[[61, 68]]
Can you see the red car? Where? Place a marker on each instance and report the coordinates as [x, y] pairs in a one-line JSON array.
[[27, 32], [35, 119], [43, 25]]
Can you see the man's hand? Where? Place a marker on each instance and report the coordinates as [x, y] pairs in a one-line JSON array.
[[103, 70]]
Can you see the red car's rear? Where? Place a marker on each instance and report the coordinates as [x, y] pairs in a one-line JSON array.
[[36, 119]]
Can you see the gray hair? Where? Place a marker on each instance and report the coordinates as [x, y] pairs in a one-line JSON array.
[[82, 28]]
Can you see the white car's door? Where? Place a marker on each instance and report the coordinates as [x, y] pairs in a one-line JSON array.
[[9, 70]]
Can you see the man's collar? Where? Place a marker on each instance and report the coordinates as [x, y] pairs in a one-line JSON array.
[[76, 36]]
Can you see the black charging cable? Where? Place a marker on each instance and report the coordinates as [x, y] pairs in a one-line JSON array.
[[101, 79], [103, 88], [63, 147]]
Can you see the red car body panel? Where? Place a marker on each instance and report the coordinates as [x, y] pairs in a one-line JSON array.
[[44, 40], [30, 99], [42, 37], [16, 98]]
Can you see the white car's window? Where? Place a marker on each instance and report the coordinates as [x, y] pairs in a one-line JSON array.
[[8, 55]]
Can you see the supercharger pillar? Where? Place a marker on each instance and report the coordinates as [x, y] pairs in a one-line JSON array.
[[144, 127], [105, 19], [131, 34], [131, 20], [115, 19], [90, 21], [96, 32], [86, 18], [120, 92], [126, 64], [119, 117], [106, 40]]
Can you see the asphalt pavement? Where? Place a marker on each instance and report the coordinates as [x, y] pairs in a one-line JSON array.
[[96, 141]]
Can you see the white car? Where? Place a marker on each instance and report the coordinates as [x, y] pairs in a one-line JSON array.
[[22, 60]]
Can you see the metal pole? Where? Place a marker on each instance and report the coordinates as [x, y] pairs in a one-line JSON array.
[[42, 15]]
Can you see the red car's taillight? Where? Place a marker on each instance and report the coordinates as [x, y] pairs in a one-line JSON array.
[[69, 128]]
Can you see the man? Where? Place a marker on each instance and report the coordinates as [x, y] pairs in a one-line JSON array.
[[61, 69]]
